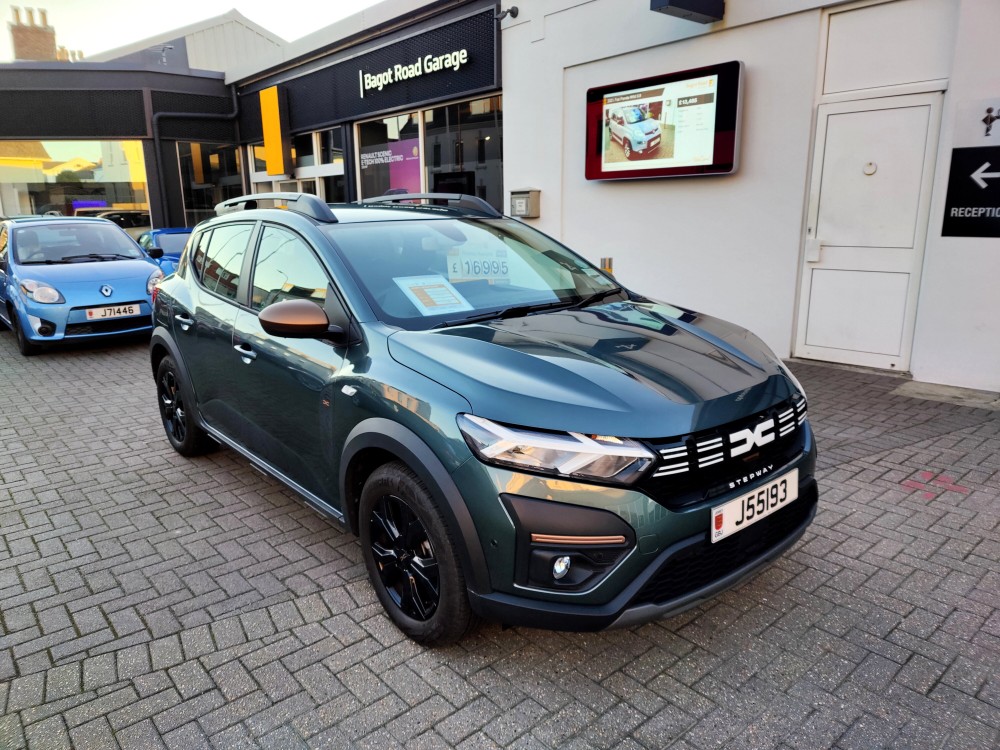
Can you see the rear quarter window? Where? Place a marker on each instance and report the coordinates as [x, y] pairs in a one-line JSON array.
[[218, 258]]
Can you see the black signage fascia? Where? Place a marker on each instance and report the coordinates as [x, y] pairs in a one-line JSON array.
[[972, 204], [333, 94]]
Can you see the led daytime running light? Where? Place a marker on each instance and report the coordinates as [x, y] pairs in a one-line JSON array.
[[567, 454]]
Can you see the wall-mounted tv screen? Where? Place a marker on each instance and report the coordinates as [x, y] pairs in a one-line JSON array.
[[671, 125]]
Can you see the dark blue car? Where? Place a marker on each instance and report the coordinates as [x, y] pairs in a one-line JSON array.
[[75, 278], [170, 241]]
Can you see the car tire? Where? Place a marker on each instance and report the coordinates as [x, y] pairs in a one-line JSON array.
[[184, 434], [627, 146], [411, 558], [24, 344]]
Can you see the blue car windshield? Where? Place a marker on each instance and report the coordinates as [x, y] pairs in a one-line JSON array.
[[634, 115], [172, 244], [71, 242], [425, 273]]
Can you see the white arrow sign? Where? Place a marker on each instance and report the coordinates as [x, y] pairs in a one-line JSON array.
[[981, 173]]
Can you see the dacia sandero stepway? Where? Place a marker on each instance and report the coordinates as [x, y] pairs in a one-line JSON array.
[[513, 435]]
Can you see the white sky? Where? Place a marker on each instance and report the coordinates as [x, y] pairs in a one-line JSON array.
[[94, 26]]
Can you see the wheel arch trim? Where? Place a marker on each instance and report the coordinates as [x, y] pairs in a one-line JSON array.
[[392, 437]]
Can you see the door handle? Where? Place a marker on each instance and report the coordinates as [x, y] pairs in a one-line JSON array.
[[247, 354], [814, 247], [184, 321]]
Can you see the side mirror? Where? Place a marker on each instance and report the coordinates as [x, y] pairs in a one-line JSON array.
[[155, 252], [299, 319]]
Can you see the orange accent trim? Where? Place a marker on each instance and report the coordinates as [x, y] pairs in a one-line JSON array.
[[197, 163], [559, 539], [274, 139]]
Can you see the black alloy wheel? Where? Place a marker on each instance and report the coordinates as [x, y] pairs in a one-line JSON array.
[[411, 558], [186, 437], [405, 558]]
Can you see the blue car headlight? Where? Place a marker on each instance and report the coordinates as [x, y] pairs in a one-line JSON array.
[[39, 291], [568, 454], [154, 278]]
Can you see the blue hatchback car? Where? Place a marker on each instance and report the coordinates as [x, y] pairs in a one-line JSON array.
[[64, 279]]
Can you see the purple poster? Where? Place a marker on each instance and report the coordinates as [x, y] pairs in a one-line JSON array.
[[402, 158]]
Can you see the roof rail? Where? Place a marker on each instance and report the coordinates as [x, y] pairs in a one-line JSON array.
[[452, 200], [301, 203]]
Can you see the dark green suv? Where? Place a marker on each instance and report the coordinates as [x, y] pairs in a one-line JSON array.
[[512, 434]]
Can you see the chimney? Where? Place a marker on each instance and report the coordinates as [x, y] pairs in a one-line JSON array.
[[31, 41]]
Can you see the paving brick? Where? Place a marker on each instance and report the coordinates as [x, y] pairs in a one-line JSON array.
[[148, 599]]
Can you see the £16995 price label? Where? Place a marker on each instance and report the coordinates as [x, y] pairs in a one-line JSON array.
[[473, 264]]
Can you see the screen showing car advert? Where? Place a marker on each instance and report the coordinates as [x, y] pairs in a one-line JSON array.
[[673, 125]]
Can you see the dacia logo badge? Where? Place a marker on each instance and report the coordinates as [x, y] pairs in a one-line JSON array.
[[743, 441], [106, 290]]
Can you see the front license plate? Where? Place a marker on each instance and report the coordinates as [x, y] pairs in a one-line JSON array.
[[748, 509], [113, 311]]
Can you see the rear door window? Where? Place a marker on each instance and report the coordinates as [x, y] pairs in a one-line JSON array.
[[218, 258]]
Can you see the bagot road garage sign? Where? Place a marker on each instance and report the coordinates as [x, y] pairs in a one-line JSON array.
[[452, 61]]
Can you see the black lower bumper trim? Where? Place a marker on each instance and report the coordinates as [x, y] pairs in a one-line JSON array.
[[630, 607]]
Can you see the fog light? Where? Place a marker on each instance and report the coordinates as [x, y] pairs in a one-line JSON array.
[[560, 567]]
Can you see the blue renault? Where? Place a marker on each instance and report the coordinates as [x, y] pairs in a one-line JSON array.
[[64, 279]]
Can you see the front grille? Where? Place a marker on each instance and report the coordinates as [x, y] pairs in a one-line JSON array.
[[695, 468], [703, 563]]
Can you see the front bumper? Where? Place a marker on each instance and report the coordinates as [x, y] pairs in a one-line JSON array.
[[65, 322], [680, 577]]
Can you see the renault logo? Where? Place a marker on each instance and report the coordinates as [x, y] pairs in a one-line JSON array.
[[743, 441], [107, 291]]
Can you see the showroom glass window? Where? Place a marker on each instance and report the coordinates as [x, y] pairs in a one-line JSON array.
[[286, 268], [463, 144], [62, 177], [332, 159], [389, 155], [210, 174], [317, 167]]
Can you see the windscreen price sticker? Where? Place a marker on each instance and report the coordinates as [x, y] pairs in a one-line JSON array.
[[432, 295], [478, 264]]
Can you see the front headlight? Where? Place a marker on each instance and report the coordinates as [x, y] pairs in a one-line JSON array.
[[154, 278], [568, 454], [41, 292], [788, 374]]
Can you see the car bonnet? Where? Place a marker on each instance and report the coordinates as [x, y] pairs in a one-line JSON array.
[[622, 368]]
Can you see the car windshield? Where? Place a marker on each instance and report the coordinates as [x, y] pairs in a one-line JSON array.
[[68, 242], [172, 244], [634, 115], [426, 273]]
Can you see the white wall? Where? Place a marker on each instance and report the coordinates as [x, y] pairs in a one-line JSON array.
[[727, 246], [957, 338], [731, 246]]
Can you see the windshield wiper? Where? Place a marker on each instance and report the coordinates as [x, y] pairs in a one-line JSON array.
[[596, 297], [100, 256], [517, 311]]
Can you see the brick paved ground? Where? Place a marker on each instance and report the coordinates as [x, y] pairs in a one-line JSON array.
[[148, 600]]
